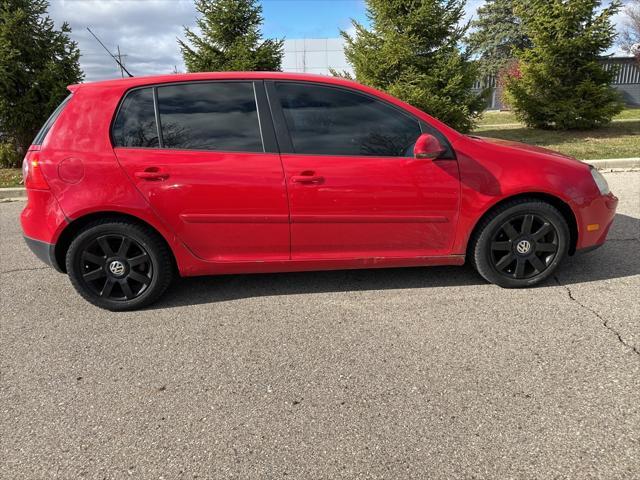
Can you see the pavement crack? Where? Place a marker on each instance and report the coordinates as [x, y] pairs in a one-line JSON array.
[[603, 320], [23, 270]]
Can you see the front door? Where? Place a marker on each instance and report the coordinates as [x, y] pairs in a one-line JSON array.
[[355, 189], [207, 173]]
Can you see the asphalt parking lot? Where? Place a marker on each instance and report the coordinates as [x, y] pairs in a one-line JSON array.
[[403, 373]]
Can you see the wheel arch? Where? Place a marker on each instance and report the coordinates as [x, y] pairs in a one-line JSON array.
[[72, 228], [563, 207]]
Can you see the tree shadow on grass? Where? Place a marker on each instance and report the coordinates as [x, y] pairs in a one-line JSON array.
[[616, 259]]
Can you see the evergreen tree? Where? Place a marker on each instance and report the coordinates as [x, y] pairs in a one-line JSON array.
[[497, 34], [37, 62], [412, 52], [560, 83], [230, 39]]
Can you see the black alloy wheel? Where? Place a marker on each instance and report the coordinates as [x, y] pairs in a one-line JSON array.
[[520, 243], [524, 246], [119, 265], [116, 267]]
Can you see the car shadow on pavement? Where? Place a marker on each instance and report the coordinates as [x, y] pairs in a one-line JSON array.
[[199, 290], [616, 259]]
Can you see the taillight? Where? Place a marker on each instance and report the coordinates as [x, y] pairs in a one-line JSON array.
[[32, 172]]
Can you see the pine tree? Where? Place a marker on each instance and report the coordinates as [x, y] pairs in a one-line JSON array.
[[411, 51], [37, 62], [560, 83], [497, 34], [230, 39]]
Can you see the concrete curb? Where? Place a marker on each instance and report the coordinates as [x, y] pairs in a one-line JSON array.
[[615, 163], [19, 193], [14, 193]]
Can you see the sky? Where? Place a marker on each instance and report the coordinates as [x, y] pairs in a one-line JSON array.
[[147, 30]]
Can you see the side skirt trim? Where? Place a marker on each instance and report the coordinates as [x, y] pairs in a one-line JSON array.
[[277, 266]]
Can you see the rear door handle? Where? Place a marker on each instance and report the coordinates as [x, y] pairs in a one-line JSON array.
[[151, 174], [315, 179]]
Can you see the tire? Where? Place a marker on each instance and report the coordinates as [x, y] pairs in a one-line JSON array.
[[520, 243], [119, 265]]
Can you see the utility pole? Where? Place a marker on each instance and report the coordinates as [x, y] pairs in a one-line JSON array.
[[120, 64], [304, 56], [117, 60]]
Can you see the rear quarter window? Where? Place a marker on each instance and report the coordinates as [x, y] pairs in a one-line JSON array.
[[135, 124]]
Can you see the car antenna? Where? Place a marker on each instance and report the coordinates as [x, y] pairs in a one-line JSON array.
[[122, 67]]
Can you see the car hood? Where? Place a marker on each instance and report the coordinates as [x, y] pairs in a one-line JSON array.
[[523, 147]]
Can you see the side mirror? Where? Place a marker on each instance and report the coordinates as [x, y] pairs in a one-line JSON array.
[[428, 147]]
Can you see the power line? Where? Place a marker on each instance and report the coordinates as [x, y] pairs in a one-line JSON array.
[[122, 67]]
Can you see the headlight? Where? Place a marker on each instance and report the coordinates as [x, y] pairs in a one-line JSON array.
[[601, 182]]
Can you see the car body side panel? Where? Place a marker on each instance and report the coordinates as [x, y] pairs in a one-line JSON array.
[[492, 171], [80, 138], [372, 206], [80, 166], [224, 206], [42, 218]]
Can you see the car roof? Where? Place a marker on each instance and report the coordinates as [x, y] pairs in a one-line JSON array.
[[186, 77], [132, 82]]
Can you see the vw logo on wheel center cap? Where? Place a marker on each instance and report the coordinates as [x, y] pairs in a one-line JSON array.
[[523, 247], [117, 268]]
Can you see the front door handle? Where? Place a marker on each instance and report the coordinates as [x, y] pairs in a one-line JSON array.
[[151, 174], [307, 178]]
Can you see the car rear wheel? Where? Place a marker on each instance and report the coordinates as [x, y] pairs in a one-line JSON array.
[[119, 265], [521, 243]]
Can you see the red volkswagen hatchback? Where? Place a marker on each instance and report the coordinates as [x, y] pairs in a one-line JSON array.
[[131, 181]]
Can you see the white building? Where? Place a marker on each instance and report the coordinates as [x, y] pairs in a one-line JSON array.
[[314, 55]]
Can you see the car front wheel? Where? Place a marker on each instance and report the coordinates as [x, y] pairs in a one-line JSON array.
[[521, 243], [119, 265]]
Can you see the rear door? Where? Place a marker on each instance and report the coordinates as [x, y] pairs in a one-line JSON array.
[[205, 157], [355, 188]]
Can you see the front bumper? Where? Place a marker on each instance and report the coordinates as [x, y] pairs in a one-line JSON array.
[[594, 222]]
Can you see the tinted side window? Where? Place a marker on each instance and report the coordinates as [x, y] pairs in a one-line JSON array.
[[135, 125], [210, 116], [334, 121]]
